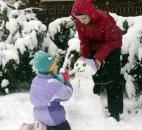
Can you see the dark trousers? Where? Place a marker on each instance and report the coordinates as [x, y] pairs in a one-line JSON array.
[[64, 126], [109, 77]]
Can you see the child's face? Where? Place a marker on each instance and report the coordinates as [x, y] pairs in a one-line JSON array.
[[54, 66], [85, 19]]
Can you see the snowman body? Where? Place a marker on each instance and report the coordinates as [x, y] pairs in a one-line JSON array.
[[84, 104], [83, 82]]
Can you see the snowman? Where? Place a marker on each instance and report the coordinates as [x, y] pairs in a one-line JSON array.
[[84, 106], [83, 83]]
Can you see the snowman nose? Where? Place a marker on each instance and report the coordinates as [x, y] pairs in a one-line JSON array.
[[78, 69]]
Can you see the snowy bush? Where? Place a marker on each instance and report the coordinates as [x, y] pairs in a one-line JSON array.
[[26, 35], [131, 54], [5, 9], [22, 4], [60, 32], [72, 52]]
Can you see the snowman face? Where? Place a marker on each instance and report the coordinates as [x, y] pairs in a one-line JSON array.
[[83, 69]]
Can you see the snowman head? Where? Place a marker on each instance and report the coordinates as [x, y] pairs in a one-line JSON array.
[[85, 67]]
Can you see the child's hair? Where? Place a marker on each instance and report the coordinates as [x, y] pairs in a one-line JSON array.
[[43, 61], [78, 14]]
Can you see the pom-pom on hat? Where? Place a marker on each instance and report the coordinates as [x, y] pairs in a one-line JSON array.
[[43, 61]]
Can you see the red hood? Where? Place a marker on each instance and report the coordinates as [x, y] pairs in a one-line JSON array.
[[86, 7]]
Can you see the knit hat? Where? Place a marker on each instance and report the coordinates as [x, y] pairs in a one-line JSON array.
[[89, 62], [43, 61]]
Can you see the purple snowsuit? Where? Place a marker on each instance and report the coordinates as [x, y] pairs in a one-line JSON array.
[[45, 94]]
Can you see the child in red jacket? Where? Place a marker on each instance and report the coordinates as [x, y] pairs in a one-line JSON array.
[[101, 39]]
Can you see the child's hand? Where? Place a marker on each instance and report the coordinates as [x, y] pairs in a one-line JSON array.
[[65, 74]]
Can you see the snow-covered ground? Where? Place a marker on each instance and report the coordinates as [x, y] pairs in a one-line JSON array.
[[16, 109], [85, 111]]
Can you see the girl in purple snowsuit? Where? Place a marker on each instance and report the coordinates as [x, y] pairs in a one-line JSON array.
[[47, 91]]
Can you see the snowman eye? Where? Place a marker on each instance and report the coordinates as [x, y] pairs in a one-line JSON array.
[[84, 64], [76, 65], [49, 57]]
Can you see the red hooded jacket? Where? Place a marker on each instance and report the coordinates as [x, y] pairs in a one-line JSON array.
[[102, 34]]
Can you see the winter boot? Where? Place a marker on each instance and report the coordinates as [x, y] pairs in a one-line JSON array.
[[116, 116], [39, 126], [26, 126]]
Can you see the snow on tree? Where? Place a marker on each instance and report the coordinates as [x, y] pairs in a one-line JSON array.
[[5, 9], [131, 56], [22, 4], [72, 53], [60, 32], [27, 35]]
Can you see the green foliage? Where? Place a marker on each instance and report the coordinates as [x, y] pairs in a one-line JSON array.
[[73, 56], [125, 26], [24, 72], [136, 72], [27, 3], [8, 72], [61, 37], [20, 74], [4, 11]]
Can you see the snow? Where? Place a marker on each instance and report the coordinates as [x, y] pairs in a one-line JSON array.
[[140, 53], [29, 41], [17, 109], [7, 53], [24, 28], [85, 110], [74, 44], [132, 46], [3, 6], [4, 83], [130, 88], [55, 27]]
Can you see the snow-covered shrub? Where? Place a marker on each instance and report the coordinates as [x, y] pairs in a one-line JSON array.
[[22, 4], [131, 54], [72, 53], [60, 32], [8, 61], [26, 35], [5, 9]]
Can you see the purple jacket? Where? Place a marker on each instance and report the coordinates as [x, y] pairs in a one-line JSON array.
[[46, 92]]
